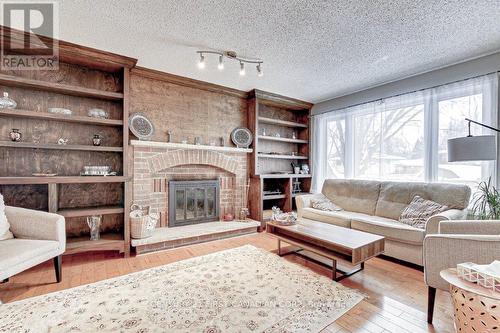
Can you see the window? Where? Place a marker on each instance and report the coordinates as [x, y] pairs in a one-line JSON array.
[[452, 113], [404, 138]]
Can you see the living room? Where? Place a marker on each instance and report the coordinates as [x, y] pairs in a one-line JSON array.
[[230, 166]]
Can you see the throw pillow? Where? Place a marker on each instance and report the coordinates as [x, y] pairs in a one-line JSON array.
[[419, 210], [324, 204], [4, 224]]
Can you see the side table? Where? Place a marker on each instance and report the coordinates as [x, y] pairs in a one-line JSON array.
[[476, 309]]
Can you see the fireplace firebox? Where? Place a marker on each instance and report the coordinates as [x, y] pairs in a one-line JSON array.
[[192, 202]]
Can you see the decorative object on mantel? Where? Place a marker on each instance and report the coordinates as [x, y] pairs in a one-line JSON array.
[[197, 140], [222, 141], [93, 170], [487, 276], [98, 113], [233, 56], [94, 223], [141, 126], [228, 217], [184, 142], [62, 141], [15, 135], [241, 137], [96, 140], [62, 111], [142, 221], [169, 136], [6, 102]]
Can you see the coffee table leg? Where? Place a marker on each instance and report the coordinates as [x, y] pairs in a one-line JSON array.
[[334, 270], [279, 247]]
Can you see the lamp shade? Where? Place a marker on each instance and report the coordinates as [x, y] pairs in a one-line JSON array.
[[472, 148]]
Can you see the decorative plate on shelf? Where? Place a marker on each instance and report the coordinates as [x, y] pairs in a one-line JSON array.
[[242, 137], [141, 126]]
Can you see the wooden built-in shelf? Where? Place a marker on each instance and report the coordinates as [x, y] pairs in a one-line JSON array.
[[16, 81], [79, 212], [279, 122], [107, 242], [299, 194], [12, 144], [62, 180], [273, 196], [60, 117], [285, 157], [284, 175], [273, 138]]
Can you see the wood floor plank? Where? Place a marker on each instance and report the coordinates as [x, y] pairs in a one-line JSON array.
[[396, 300]]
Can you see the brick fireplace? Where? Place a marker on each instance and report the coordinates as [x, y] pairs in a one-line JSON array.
[[155, 164]]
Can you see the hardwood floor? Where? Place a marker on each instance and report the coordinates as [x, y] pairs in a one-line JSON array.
[[397, 295]]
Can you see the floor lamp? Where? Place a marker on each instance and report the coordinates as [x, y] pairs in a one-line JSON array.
[[473, 148]]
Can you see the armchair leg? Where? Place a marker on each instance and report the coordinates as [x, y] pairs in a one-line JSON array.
[[58, 266], [430, 304]]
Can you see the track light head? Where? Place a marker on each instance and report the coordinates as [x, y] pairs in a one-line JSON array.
[[201, 63], [242, 68], [220, 66], [259, 70]]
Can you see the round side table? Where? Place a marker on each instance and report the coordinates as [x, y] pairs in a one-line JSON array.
[[477, 309]]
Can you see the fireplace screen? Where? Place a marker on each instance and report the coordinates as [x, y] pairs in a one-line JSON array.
[[193, 201]]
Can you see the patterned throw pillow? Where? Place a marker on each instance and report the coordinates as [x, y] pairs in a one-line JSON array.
[[419, 210], [4, 224], [324, 204]]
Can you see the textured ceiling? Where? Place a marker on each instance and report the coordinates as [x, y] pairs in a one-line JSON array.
[[312, 50]]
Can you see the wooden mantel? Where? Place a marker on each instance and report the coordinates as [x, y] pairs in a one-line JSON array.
[[171, 145]]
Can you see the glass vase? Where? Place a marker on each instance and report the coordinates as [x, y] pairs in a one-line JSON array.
[[94, 223]]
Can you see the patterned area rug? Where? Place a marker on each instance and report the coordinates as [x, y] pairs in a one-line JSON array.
[[245, 289]]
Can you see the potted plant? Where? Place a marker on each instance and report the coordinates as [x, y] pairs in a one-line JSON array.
[[486, 202]]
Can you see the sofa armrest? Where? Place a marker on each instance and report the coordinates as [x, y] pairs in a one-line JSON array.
[[34, 224], [304, 201], [470, 227], [446, 251], [432, 225]]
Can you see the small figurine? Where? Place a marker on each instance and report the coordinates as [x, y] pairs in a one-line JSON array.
[[15, 135], [169, 136], [62, 141], [96, 140]]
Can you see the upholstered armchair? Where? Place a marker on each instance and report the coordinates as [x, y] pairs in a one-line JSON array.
[[457, 242], [38, 237]]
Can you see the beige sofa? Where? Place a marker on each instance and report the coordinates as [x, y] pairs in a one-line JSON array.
[[38, 237], [375, 206]]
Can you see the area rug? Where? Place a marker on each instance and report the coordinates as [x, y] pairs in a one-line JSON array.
[[245, 289]]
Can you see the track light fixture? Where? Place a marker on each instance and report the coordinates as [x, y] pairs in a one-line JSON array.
[[242, 68], [230, 55], [201, 63]]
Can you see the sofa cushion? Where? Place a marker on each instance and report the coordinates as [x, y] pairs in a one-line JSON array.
[[353, 195], [419, 211], [395, 196], [389, 228], [25, 252], [339, 218], [324, 204], [4, 224]]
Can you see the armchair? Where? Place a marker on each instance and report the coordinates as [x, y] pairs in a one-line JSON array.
[[457, 242], [38, 236]]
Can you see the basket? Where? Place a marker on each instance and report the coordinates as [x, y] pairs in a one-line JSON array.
[[142, 223]]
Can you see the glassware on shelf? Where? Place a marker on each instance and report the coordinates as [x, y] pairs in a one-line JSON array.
[[6, 102], [94, 223], [96, 140]]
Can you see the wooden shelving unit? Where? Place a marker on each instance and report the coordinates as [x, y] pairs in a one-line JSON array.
[[59, 117], [286, 125], [58, 147], [87, 78]]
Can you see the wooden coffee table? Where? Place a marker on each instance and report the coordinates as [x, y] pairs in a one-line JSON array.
[[328, 241]]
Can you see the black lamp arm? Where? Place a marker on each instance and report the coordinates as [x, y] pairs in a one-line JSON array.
[[478, 123]]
